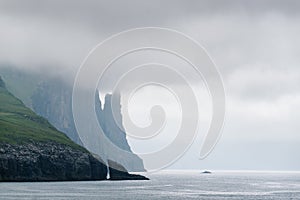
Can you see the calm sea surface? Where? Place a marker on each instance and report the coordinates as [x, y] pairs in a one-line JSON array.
[[167, 185]]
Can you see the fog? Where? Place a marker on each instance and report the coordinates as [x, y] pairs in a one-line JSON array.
[[255, 45]]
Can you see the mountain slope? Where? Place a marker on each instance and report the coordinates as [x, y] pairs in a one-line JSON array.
[[25, 125], [51, 98], [31, 149]]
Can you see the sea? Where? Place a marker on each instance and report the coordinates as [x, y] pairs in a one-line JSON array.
[[231, 185]]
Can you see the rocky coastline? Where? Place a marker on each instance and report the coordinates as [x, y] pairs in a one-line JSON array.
[[51, 161]]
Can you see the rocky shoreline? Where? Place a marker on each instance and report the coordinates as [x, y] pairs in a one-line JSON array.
[[117, 172], [51, 161]]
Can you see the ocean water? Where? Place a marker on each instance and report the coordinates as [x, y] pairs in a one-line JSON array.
[[167, 185]]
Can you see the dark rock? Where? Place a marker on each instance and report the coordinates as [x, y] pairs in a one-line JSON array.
[[48, 162], [118, 172], [206, 172]]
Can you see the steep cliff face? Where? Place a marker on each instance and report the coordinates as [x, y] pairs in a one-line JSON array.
[[108, 122], [115, 133], [53, 100]]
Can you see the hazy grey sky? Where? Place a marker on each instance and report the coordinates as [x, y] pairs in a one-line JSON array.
[[255, 44]]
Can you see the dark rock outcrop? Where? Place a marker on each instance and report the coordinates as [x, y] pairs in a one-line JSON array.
[[48, 162], [206, 172], [118, 172]]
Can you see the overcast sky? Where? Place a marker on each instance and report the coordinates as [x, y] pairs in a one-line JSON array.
[[255, 44]]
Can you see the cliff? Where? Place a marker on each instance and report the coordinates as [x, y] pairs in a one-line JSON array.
[[53, 100], [31, 149], [116, 134]]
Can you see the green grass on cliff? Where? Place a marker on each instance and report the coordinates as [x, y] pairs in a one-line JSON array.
[[19, 124]]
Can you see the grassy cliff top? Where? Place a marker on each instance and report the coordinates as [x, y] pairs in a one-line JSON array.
[[19, 124]]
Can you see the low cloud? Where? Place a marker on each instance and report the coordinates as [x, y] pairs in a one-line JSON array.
[[255, 44]]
